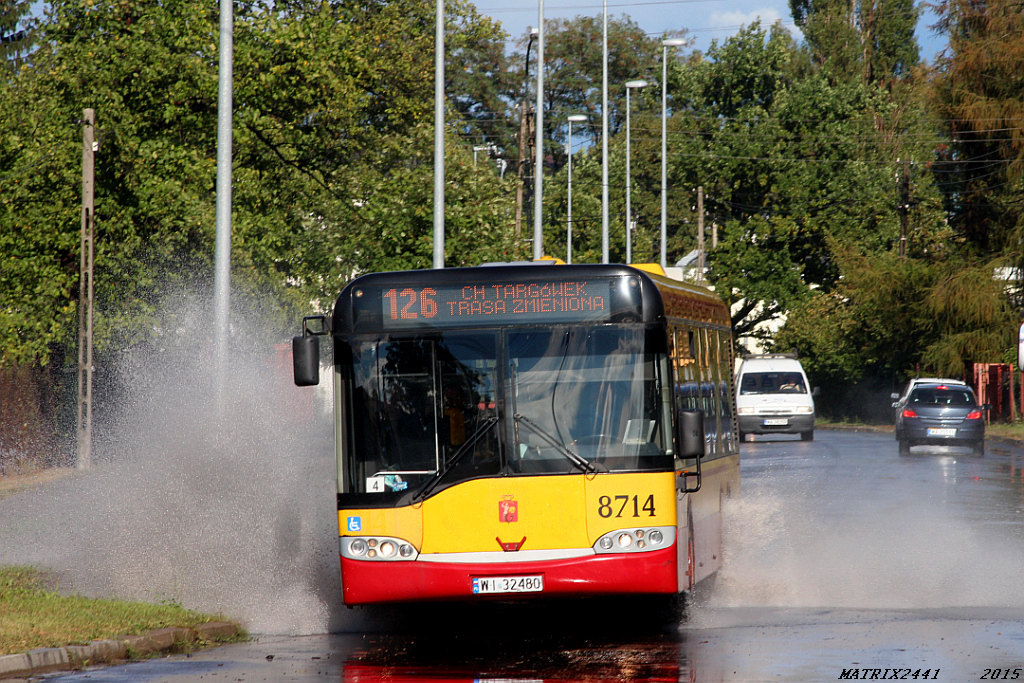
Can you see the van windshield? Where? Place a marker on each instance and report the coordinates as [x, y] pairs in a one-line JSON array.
[[772, 383]]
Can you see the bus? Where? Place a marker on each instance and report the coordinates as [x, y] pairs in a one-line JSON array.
[[527, 431]]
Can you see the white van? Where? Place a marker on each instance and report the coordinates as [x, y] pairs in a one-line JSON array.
[[773, 396]]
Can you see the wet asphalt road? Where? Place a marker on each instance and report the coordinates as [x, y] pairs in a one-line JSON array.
[[843, 560]]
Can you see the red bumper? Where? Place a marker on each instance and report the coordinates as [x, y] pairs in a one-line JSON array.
[[366, 582]]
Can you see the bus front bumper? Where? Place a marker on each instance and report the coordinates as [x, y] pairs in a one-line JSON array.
[[368, 582]]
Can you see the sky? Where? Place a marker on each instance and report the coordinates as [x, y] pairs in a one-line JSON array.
[[705, 20]]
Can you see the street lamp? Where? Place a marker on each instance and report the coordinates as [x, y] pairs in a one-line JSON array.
[[604, 132], [538, 176], [630, 85], [479, 148], [575, 118], [666, 44]]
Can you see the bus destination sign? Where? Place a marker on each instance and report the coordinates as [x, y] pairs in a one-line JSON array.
[[496, 303]]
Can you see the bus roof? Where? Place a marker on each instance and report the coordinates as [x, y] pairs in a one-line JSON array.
[[512, 294]]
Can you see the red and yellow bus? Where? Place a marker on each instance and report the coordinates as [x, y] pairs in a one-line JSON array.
[[527, 431]]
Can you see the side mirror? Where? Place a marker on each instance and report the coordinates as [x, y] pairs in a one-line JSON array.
[[306, 352], [306, 361], [894, 396], [816, 391], [691, 434]]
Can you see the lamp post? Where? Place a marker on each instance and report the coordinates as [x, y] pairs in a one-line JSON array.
[[604, 132], [666, 44], [575, 118], [438, 134], [630, 85], [538, 176]]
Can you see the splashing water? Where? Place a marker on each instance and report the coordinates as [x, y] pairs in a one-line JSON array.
[[226, 509], [789, 544]]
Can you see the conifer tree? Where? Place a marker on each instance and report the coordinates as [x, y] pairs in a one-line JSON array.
[[979, 95]]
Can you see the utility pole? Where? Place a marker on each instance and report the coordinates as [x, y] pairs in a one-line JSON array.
[[523, 162], [700, 232], [85, 293], [525, 128], [904, 207]]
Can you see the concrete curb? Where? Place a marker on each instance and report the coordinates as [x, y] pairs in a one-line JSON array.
[[49, 659]]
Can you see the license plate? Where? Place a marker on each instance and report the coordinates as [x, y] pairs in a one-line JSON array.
[[775, 422], [941, 432], [508, 584]]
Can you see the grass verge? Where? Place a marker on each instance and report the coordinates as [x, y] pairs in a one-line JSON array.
[[1004, 430], [33, 615]]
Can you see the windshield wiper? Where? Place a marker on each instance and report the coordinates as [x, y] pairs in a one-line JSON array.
[[575, 458], [450, 463]]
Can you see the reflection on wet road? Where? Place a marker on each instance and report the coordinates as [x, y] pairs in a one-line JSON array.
[[843, 561]]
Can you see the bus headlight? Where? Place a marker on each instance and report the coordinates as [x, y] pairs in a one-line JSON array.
[[636, 540], [378, 549]]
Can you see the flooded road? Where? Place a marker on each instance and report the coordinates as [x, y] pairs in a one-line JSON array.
[[843, 561]]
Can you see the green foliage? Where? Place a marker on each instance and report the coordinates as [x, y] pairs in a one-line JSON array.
[[872, 39], [332, 159], [894, 318], [802, 153], [16, 39], [573, 65], [794, 165], [978, 95]]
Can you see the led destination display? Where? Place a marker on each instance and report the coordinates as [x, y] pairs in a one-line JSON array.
[[495, 303]]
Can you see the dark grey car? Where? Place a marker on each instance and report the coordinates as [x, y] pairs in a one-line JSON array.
[[940, 414]]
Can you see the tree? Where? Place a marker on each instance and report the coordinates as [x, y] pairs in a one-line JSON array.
[[16, 41], [893, 318], [830, 32], [873, 39], [481, 82], [889, 45], [977, 96], [573, 73], [796, 166], [333, 104]]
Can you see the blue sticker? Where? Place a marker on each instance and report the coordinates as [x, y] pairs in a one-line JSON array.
[[355, 524]]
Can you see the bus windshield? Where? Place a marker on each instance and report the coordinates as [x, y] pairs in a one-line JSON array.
[[434, 408]]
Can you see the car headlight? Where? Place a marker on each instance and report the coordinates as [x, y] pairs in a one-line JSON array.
[[745, 411], [804, 409]]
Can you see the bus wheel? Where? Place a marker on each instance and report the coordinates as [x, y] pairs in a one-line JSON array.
[[807, 436]]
